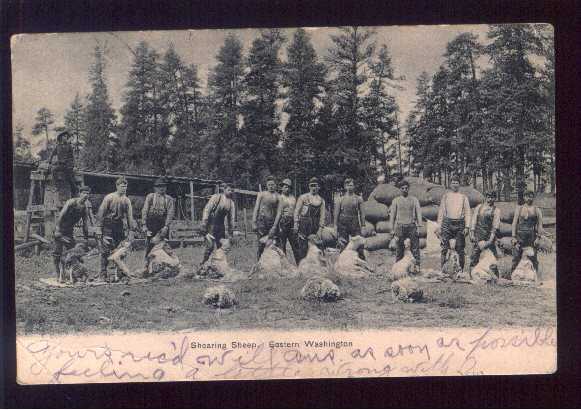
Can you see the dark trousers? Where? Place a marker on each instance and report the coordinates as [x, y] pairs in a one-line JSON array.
[[154, 225], [410, 232], [64, 179], [475, 256], [348, 226], [218, 231], [63, 242], [453, 229], [525, 239], [307, 227], [113, 235], [285, 234], [263, 227]]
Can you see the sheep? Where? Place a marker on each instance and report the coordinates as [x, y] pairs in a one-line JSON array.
[[407, 290], [452, 267], [321, 289], [405, 266], [220, 297], [273, 263], [73, 266], [314, 264], [486, 270], [162, 261], [525, 271], [118, 257], [349, 263], [217, 266]]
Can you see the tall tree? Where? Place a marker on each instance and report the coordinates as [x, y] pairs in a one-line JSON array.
[[304, 84], [75, 122], [145, 130], [99, 115], [227, 151], [43, 122], [261, 117], [517, 121], [349, 58]]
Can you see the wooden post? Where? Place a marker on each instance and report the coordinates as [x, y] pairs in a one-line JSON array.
[[28, 211], [192, 207]]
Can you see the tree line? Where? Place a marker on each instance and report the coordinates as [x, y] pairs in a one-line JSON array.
[[328, 116], [494, 120]]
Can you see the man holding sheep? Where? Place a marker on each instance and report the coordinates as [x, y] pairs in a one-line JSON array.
[[405, 216]]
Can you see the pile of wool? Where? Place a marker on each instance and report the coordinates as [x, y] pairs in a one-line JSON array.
[[486, 270], [525, 271], [220, 297], [273, 263], [328, 237], [475, 197], [430, 212], [73, 265], [544, 244], [505, 244], [375, 211], [217, 266], [405, 266], [379, 241], [314, 264], [349, 263], [407, 290], [162, 261], [321, 289], [368, 229]]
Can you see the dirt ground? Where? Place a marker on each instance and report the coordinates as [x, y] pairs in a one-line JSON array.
[[177, 304]]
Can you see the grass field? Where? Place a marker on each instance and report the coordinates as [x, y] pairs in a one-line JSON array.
[[177, 304]]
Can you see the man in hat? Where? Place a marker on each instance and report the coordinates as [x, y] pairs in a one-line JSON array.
[[284, 217], [405, 216], [112, 152], [219, 208], [156, 215], [74, 210], [63, 166], [453, 220], [348, 215], [264, 215], [309, 218], [115, 210], [527, 227], [483, 228]]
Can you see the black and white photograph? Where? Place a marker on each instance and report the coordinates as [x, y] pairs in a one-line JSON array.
[[306, 181]]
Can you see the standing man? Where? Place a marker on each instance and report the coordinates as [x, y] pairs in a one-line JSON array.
[[115, 210], [219, 208], [309, 217], [284, 217], [405, 216], [74, 210], [484, 226], [63, 168], [156, 215], [453, 220], [348, 216], [265, 210], [527, 226]]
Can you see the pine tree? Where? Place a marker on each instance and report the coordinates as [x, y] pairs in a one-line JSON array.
[[44, 121], [227, 151], [99, 115], [349, 58], [261, 117], [75, 122], [304, 84], [145, 131]]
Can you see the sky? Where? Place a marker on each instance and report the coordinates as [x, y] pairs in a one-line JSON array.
[[48, 70]]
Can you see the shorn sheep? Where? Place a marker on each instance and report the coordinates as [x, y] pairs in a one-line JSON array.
[[220, 297], [162, 262], [349, 263], [273, 263], [407, 290], [405, 266], [525, 271], [320, 289], [217, 266], [314, 264], [486, 269]]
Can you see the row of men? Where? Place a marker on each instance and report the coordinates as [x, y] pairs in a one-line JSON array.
[[282, 217]]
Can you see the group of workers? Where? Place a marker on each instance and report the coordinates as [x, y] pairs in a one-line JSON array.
[[284, 219]]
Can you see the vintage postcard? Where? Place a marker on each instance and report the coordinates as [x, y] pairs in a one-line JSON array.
[[308, 202]]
